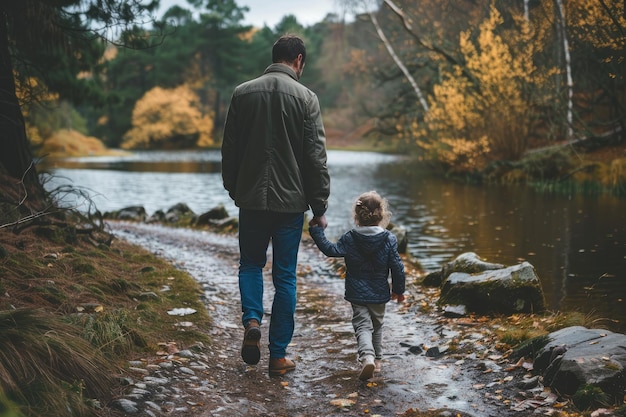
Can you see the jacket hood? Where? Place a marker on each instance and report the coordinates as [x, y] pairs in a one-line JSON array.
[[368, 243]]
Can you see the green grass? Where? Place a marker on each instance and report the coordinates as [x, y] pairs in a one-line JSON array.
[[72, 321]]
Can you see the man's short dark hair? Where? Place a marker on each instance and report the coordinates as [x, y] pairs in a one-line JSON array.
[[287, 48]]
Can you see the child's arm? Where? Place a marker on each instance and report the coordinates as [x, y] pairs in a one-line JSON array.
[[335, 250], [398, 279]]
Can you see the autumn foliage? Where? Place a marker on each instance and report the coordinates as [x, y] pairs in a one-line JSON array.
[[169, 119], [481, 110], [503, 83]]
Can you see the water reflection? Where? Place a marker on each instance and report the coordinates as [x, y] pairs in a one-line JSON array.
[[577, 245], [147, 161]]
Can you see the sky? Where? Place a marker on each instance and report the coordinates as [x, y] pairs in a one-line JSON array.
[[270, 12]]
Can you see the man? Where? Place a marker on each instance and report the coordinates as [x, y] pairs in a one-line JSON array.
[[274, 168]]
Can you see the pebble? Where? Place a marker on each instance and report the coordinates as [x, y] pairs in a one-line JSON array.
[[156, 389]]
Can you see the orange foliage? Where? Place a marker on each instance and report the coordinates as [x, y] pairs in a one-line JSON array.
[[29, 93], [67, 142], [596, 25], [480, 110], [167, 118]]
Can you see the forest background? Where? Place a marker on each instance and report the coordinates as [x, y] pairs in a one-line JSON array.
[[501, 90]]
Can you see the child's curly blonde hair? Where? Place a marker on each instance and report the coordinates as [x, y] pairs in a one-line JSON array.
[[370, 209]]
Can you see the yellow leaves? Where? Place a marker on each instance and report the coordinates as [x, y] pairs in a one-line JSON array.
[[358, 63], [165, 118], [68, 142], [110, 53], [480, 110], [32, 88], [597, 23]]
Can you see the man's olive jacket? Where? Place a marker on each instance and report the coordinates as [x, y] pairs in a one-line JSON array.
[[274, 145]]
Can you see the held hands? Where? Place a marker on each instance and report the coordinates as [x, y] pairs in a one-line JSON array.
[[398, 297], [318, 221]]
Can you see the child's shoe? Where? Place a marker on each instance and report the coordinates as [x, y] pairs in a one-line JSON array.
[[378, 365], [367, 369]]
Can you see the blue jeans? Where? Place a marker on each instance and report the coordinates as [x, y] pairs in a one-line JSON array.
[[256, 230]]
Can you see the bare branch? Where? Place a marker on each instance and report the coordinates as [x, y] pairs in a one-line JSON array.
[[399, 62], [29, 218], [407, 26]]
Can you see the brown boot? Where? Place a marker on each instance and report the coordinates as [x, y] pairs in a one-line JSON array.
[[251, 346], [280, 366]]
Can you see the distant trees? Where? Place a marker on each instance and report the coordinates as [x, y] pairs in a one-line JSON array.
[[52, 41], [169, 119], [205, 49], [500, 76], [460, 83], [209, 51]]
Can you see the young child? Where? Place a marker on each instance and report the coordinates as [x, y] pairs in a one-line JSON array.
[[370, 253]]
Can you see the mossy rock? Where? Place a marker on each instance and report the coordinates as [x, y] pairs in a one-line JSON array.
[[515, 289]]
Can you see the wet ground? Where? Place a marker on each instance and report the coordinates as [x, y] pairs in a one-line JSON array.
[[326, 382]]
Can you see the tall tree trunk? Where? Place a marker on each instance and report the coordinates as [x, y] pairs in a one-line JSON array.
[[25, 193], [15, 156], [526, 11], [562, 25]]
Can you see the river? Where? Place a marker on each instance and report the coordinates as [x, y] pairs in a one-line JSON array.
[[577, 244]]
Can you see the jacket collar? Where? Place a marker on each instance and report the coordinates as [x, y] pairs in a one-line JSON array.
[[284, 68], [369, 230]]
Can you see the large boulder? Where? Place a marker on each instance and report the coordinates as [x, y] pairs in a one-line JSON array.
[[515, 289], [468, 262], [575, 357], [212, 216], [178, 213]]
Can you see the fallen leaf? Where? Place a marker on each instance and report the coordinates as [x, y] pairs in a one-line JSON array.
[[342, 402]]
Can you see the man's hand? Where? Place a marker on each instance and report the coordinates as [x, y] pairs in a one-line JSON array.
[[319, 221]]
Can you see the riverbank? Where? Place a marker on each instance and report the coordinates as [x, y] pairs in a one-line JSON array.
[[432, 363], [587, 167]]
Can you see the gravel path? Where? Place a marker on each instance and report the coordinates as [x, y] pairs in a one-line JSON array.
[[212, 380]]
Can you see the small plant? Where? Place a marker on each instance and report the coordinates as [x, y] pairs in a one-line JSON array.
[[590, 396], [110, 332], [514, 337]]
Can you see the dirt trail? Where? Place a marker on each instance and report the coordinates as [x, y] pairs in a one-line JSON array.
[[323, 345]]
